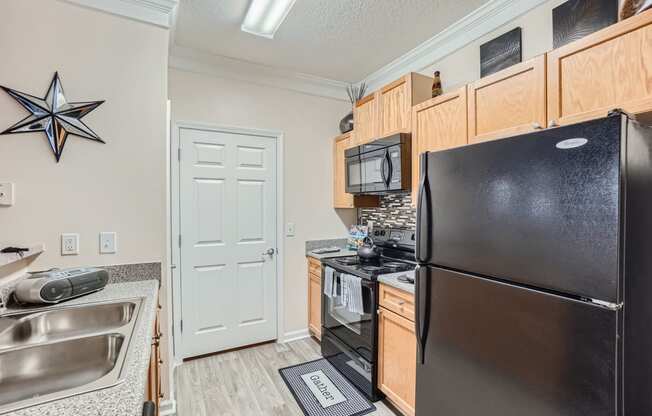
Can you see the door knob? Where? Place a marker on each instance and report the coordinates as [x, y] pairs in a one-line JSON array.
[[269, 252]]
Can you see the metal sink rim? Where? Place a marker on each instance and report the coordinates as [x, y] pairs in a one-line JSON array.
[[111, 379]]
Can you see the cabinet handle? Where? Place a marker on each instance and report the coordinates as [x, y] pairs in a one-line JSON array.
[[536, 126], [401, 302], [553, 123]]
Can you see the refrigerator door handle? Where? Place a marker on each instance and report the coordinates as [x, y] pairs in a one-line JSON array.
[[422, 310], [424, 213]]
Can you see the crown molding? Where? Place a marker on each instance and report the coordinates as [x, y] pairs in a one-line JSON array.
[[478, 23], [191, 60], [156, 12]]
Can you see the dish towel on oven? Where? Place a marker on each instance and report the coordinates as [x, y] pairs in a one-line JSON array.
[[352, 293], [330, 287]]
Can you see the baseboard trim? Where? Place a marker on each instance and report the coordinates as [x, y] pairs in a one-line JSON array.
[[295, 335], [168, 408]]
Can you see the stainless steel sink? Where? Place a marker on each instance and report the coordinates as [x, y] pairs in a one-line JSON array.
[[65, 322], [57, 352]]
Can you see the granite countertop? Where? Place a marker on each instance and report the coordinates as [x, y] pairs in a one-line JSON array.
[[337, 242], [392, 280], [127, 398], [342, 253]]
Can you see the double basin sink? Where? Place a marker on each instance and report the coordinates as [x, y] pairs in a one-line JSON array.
[[56, 352]]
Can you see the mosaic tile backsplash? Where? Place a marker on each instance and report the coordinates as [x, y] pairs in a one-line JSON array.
[[394, 212]]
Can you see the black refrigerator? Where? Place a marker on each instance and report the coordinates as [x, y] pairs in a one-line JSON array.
[[534, 284]]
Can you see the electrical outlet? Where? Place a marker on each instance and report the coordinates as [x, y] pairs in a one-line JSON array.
[[6, 194], [108, 243], [289, 231], [69, 244]]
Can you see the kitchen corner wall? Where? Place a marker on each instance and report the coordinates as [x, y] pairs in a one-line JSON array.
[[309, 124], [119, 186]]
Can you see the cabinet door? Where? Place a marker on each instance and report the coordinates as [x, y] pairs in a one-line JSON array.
[[397, 359], [365, 119], [314, 305], [394, 102], [509, 102], [609, 69], [439, 123], [340, 198]]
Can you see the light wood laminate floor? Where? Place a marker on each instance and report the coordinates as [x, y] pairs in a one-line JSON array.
[[245, 382]]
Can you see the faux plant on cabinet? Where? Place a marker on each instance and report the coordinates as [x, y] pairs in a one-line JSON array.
[[355, 93]]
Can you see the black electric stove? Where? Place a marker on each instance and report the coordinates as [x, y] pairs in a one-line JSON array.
[[349, 339]]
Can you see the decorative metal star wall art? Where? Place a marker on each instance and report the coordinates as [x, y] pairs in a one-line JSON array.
[[53, 115]]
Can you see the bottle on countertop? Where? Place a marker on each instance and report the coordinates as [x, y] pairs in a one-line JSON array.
[[436, 85]]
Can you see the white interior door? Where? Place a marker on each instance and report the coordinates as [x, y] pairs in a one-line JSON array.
[[228, 225]]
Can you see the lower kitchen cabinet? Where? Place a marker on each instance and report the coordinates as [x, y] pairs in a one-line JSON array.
[[397, 359], [153, 392], [314, 297]]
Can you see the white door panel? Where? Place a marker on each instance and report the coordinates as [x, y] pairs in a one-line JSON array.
[[228, 222]]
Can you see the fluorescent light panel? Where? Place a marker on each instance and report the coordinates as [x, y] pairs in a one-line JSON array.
[[265, 16]]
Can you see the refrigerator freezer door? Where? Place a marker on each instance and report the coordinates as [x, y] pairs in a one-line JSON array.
[[494, 349], [541, 209]]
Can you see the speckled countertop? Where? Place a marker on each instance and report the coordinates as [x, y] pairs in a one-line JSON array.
[[392, 280], [127, 398], [337, 242]]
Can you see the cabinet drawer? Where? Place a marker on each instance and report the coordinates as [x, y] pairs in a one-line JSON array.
[[314, 266], [397, 301]]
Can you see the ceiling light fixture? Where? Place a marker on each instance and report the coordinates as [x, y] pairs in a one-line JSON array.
[[265, 16]]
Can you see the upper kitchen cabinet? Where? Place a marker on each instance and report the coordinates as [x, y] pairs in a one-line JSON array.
[[609, 69], [342, 199], [509, 102], [438, 124], [396, 99], [365, 119], [389, 110]]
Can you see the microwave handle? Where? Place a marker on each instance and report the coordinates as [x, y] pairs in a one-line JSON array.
[[387, 178]]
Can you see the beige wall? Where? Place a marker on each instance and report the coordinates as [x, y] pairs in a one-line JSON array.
[[463, 66], [118, 186], [308, 123]]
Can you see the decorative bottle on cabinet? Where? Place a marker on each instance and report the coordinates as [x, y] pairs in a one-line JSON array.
[[436, 85]]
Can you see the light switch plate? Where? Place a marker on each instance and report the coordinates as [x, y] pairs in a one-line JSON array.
[[108, 243], [69, 244], [6, 194], [289, 231]]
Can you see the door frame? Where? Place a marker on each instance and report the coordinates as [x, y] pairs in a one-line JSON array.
[[175, 213]]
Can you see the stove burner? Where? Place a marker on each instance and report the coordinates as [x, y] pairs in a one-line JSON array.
[[405, 279], [394, 264], [371, 268], [349, 261]]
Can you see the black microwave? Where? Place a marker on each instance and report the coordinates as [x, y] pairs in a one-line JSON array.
[[379, 167]]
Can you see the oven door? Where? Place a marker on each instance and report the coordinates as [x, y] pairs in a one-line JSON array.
[[356, 330]]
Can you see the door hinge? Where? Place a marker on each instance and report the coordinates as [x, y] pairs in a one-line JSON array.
[[181, 326], [179, 240], [179, 154]]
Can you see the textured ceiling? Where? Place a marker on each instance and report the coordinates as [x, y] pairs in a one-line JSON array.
[[344, 40]]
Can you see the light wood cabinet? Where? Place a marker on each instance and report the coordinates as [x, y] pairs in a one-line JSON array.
[[509, 102], [437, 124], [397, 359], [609, 69], [365, 120], [395, 102], [314, 297], [154, 384], [396, 300], [389, 110], [341, 199]]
